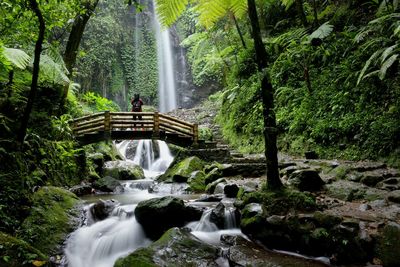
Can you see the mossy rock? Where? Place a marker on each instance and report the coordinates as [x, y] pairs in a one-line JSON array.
[[213, 175], [108, 184], [196, 182], [177, 247], [157, 215], [53, 216], [182, 171], [108, 149], [389, 245], [15, 252], [211, 186], [123, 170]]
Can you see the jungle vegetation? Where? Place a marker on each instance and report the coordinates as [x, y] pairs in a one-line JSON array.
[[301, 74]]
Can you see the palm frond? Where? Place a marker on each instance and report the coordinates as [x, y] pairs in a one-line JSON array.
[[239, 8], [17, 57], [323, 31], [52, 72], [211, 11], [170, 10]]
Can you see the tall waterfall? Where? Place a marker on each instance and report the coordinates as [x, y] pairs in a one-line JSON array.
[[166, 66]]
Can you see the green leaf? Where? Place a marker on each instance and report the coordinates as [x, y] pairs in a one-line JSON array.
[[323, 31], [367, 64], [387, 52], [386, 65], [17, 57], [170, 10]]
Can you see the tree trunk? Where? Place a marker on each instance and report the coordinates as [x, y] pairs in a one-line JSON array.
[[315, 24], [300, 11], [239, 31], [35, 73], [74, 39], [267, 93]]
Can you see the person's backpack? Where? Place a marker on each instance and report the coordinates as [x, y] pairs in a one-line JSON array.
[[136, 105]]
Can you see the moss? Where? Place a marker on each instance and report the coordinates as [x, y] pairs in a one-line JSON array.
[[196, 182], [389, 245], [205, 133], [17, 253], [280, 202], [140, 258], [181, 171], [49, 222]]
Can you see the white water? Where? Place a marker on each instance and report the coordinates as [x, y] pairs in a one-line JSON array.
[[101, 243], [166, 67]]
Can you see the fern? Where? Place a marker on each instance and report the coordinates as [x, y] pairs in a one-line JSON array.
[[386, 65], [17, 57], [170, 10], [367, 64], [52, 72], [322, 32]]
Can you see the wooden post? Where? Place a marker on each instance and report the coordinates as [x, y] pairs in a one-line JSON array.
[[156, 130], [195, 134], [107, 125]]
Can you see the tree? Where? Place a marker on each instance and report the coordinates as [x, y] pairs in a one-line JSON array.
[[210, 12], [35, 73]]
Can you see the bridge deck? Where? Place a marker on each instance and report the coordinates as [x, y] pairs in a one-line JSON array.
[[134, 126]]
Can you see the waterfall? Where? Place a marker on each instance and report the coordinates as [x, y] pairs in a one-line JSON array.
[[102, 243], [166, 66]]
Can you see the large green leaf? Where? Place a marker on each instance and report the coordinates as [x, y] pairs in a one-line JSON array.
[[17, 57], [323, 31], [367, 64], [169, 10]]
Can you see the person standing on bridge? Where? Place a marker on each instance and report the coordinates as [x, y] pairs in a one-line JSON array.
[[137, 104]]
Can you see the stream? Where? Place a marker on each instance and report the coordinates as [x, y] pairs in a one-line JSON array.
[[101, 243]]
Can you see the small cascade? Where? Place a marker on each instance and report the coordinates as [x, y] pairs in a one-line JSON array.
[[144, 155], [204, 225], [230, 218], [103, 242]]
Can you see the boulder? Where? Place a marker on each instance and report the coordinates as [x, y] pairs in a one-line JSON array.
[[81, 190], [372, 178], [123, 170], [108, 184], [348, 191], [177, 247], [306, 180], [390, 184], [394, 196], [196, 181], [231, 190], [182, 171], [53, 216], [243, 252], [213, 175], [389, 245], [211, 187], [102, 209], [157, 215], [217, 215]]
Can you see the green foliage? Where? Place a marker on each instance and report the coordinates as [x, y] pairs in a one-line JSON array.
[[205, 134], [93, 103], [52, 208]]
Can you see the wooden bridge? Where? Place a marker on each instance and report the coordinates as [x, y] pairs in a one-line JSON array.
[[134, 126]]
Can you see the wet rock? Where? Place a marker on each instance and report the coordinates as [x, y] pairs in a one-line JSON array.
[[213, 176], [157, 215], [372, 178], [390, 184], [196, 181], [394, 196], [306, 180], [102, 209], [276, 220], [182, 171], [389, 245], [219, 188], [217, 215], [81, 190], [245, 253], [327, 220], [347, 190], [210, 198], [289, 170], [231, 190], [177, 247], [211, 187], [123, 170], [108, 184]]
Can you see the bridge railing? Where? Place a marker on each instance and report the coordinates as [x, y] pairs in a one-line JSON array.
[[109, 122]]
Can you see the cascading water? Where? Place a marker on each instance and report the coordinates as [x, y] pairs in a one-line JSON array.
[[166, 79]]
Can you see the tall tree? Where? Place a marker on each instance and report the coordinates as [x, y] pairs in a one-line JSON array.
[[267, 94], [35, 73], [75, 37]]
